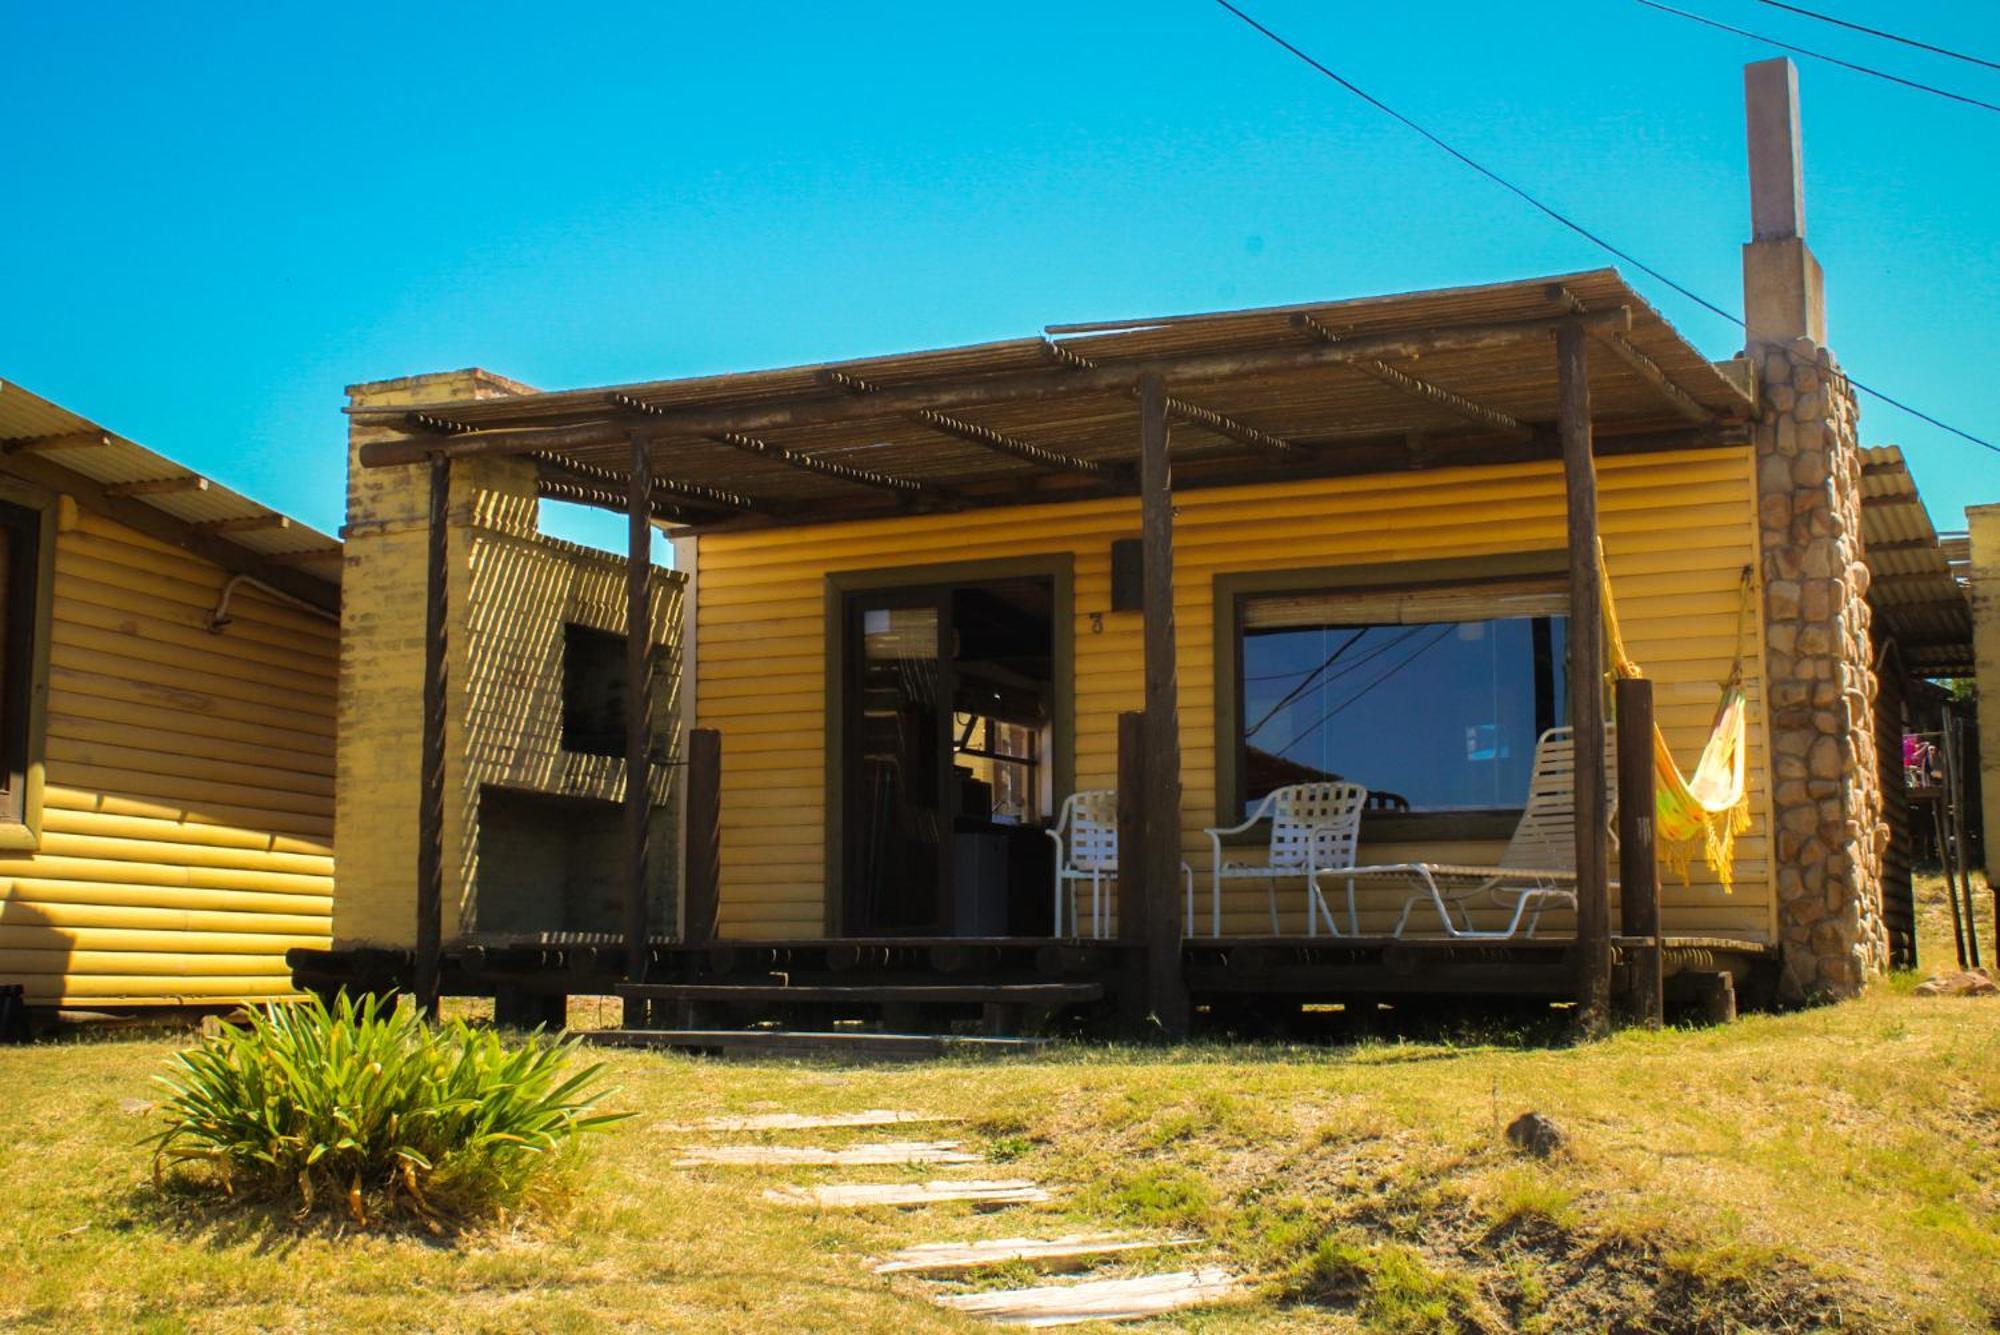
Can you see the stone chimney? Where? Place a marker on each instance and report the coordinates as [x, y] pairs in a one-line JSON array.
[[1827, 796]]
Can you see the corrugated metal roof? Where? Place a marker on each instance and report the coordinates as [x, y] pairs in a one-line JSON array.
[[32, 425], [1916, 588]]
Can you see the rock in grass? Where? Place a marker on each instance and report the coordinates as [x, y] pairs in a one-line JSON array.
[[1968, 983], [1535, 1134]]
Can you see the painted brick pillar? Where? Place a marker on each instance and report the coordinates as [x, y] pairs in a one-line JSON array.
[[382, 664], [1819, 666]]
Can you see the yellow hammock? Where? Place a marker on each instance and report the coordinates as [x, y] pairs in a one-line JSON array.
[[1706, 810]]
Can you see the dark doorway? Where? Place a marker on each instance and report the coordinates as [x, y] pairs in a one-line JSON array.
[[948, 729]]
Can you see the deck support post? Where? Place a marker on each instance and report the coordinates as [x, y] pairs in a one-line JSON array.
[[1160, 854], [1638, 871], [1586, 679], [700, 892], [1133, 1003], [428, 966], [638, 718]]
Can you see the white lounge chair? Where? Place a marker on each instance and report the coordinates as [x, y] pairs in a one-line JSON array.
[[1537, 870], [1314, 826], [1090, 821]]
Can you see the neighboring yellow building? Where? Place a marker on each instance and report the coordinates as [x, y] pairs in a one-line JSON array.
[[167, 714]]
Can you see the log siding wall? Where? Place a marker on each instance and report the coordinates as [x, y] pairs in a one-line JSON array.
[[187, 813], [1678, 530]]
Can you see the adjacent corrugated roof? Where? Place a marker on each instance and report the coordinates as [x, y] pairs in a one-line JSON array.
[[1916, 588], [32, 426]]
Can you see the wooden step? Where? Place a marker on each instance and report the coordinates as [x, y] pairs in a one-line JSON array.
[[914, 994], [1075, 1250], [881, 1154], [907, 1195], [1099, 1299], [852, 1044]]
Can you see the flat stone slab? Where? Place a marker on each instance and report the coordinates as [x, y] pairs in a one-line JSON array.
[[1100, 1299], [1074, 1250], [787, 1121], [907, 1195], [879, 1154]]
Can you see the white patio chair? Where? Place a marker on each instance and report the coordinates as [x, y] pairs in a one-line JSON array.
[[1313, 826], [1090, 820], [1537, 870]]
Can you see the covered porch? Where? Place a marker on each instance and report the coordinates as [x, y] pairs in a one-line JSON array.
[[1159, 424]]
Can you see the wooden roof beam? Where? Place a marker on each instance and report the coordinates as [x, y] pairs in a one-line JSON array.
[[977, 390], [664, 489], [604, 498], [1645, 367], [1417, 387], [808, 463], [1206, 418], [64, 440], [245, 523], [158, 486], [997, 441]]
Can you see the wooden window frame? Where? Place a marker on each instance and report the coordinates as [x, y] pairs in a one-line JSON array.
[[28, 518], [1232, 591]]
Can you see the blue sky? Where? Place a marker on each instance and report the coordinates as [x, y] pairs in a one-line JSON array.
[[217, 217]]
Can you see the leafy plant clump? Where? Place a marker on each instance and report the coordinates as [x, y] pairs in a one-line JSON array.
[[368, 1105]]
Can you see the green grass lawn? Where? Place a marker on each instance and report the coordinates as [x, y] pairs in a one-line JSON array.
[[1838, 1168]]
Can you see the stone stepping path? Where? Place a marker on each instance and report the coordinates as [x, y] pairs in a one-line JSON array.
[[1128, 1298], [876, 1155], [786, 1121], [1074, 1250], [905, 1195], [1099, 1299]]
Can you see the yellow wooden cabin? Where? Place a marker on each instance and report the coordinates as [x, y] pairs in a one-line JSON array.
[[167, 714], [924, 603]]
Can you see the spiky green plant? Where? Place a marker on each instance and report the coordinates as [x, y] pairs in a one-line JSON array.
[[367, 1104]]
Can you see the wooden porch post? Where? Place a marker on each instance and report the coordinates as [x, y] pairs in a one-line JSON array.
[[701, 893], [425, 981], [1586, 680], [1134, 995], [1160, 855], [638, 715], [1638, 872]]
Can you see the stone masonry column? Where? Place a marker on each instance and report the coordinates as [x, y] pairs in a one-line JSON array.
[[1819, 666]]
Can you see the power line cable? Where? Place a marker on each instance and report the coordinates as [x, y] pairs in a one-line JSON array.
[[1869, 70], [1570, 223], [1878, 32], [1482, 169]]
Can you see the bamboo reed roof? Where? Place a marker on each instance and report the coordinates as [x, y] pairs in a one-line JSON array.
[[1460, 375]]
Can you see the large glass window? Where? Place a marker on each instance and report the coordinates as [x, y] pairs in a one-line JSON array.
[[1432, 709]]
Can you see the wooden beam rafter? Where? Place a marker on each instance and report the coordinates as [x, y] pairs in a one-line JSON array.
[[807, 463], [158, 486], [64, 440], [1645, 367], [246, 523], [664, 490], [1416, 386], [1206, 418], [997, 441]]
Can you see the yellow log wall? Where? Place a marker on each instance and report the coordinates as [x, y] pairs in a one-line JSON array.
[[187, 816], [1677, 528]]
